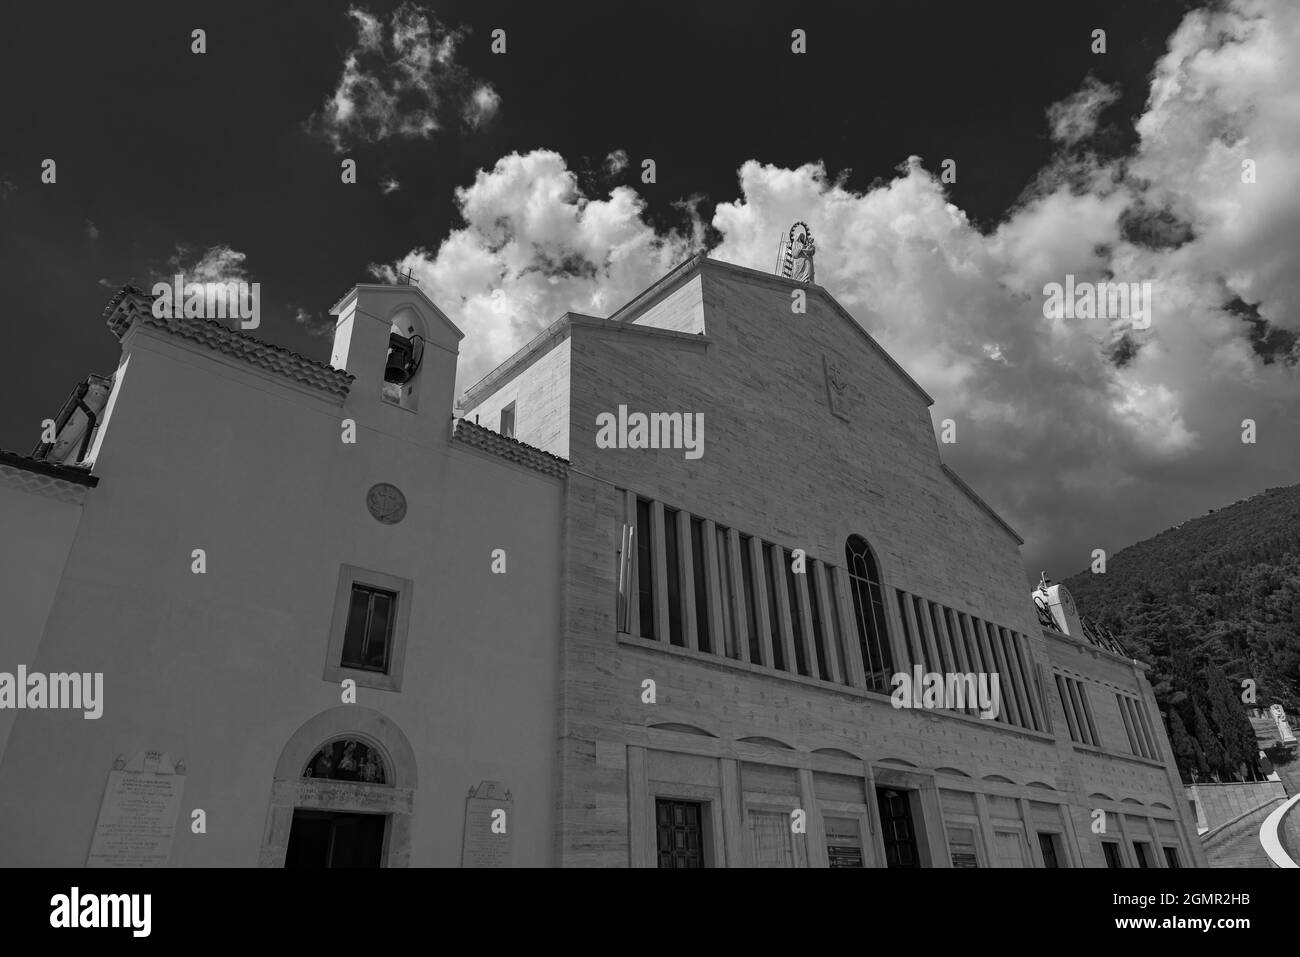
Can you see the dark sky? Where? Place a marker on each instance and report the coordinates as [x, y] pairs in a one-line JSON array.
[[158, 147]]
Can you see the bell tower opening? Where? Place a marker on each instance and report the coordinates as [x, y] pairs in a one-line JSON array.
[[406, 341]]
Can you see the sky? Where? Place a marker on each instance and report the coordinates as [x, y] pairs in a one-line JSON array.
[[511, 185]]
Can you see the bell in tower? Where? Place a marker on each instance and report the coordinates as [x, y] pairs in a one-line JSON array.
[[404, 356]]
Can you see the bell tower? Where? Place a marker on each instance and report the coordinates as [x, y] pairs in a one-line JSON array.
[[401, 349]]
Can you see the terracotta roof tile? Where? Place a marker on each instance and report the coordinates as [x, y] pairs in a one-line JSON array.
[[132, 305], [494, 443]]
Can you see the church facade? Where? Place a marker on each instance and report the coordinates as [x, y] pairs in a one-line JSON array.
[[639, 598]]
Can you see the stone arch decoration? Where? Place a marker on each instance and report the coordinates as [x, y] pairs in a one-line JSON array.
[[378, 749]]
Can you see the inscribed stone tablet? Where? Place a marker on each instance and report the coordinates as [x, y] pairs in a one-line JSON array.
[[137, 818], [489, 826]]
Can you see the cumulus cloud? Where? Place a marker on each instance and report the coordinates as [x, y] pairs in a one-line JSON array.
[[1084, 433], [401, 79], [534, 247]]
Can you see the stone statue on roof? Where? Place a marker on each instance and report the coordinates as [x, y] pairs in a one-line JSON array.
[[802, 250]]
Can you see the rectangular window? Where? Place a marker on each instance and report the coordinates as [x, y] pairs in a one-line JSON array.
[[1078, 712], [679, 833], [1111, 850], [673, 562], [796, 619], [773, 614], [751, 600], [645, 569], [819, 627], [945, 666], [909, 641], [727, 594], [701, 584], [1139, 740], [927, 653], [835, 629], [1143, 853], [368, 635], [508, 421], [770, 840], [1171, 857], [1050, 844]]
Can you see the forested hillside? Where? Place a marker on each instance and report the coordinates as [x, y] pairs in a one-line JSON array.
[[1209, 604]]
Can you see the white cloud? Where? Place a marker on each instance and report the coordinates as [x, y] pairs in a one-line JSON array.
[[315, 326], [531, 233], [615, 162], [218, 263], [401, 79], [1075, 118], [481, 106], [91, 230], [1084, 433]]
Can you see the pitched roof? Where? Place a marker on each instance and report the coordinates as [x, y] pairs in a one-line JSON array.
[[131, 305], [494, 443], [685, 270]]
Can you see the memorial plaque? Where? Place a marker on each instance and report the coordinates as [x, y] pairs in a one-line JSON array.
[[843, 842], [489, 826], [137, 818]]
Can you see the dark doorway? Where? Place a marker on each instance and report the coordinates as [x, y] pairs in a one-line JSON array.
[[335, 839], [680, 833], [897, 829]]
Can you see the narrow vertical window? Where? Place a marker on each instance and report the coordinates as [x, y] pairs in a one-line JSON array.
[[644, 569], [701, 585], [819, 627], [728, 645], [796, 619], [673, 560], [773, 614], [751, 600], [869, 610], [508, 421]]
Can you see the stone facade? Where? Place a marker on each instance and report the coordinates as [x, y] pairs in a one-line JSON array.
[[741, 739]]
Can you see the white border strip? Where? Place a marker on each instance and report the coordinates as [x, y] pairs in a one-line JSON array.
[[1268, 835]]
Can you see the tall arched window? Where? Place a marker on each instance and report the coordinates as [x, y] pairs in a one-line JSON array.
[[869, 612]]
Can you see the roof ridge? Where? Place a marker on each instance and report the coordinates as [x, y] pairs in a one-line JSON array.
[[233, 342]]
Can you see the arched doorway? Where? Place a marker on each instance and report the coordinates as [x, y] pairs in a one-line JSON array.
[[343, 794]]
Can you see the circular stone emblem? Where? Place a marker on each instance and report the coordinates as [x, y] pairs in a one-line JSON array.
[[386, 503]]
